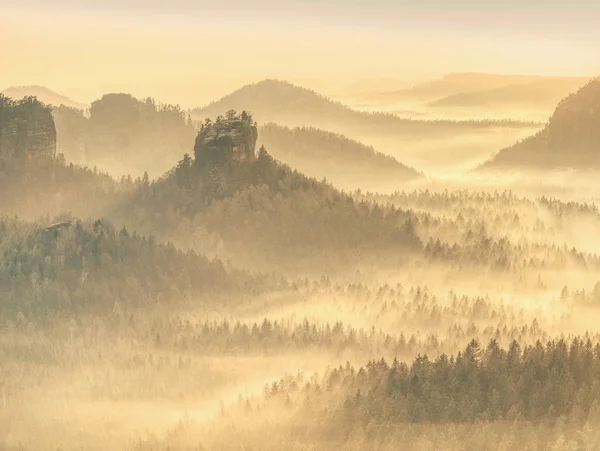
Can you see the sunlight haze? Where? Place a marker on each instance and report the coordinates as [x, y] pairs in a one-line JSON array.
[[336, 225]]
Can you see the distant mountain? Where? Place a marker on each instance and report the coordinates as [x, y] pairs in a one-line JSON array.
[[462, 84], [571, 139], [137, 134], [344, 162], [124, 135], [542, 93], [280, 102], [455, 83], [44, 95], [370, 85]]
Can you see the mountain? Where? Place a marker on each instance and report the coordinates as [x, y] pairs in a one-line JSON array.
[[260, 211], [541, 93], [344, 162], [44, 95], [464, 83], [413, 142], [278, 101], [124, 135], [571, 138], [274, 101], [72, 128], [370, 85]]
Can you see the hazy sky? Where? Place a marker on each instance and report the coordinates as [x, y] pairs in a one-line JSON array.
[[191, 51]]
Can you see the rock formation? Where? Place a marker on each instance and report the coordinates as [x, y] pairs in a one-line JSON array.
[[27, 129], [232, 138]]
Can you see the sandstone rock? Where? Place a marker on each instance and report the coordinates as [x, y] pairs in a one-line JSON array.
[[228, 139], [27, 129]]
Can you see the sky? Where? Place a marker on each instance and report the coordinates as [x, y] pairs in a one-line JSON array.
[[193, 51]]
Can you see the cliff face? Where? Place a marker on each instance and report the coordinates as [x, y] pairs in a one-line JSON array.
[[227, 139], [27, 129]]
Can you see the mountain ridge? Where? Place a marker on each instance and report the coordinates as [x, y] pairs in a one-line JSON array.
[[285, 103], [44, 95], [546, 92]]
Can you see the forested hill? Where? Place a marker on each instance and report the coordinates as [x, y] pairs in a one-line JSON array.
[[260, 208], [342, 161], [64, 266], [35, 179], [279, 101], [571, 139]]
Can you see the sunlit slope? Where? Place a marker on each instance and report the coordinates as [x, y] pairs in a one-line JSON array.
[[344, 162], [571, 138]]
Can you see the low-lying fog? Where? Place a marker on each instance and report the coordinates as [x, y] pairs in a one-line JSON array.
[[148, 302]]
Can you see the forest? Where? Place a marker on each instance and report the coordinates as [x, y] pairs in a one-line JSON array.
[[260, 274]]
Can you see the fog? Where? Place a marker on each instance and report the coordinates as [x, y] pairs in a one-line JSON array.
[[299, 226]]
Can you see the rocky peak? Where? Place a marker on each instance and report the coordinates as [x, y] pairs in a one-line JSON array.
[[26, 129], [228, 138]]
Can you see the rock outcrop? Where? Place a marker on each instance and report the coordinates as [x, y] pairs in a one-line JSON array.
[[27, 129], [227, 139]]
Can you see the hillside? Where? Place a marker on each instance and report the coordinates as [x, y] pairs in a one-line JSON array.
[[71, 267], [570, 139], [344, 162], [44, 95], [542, 93], [260, 211]]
